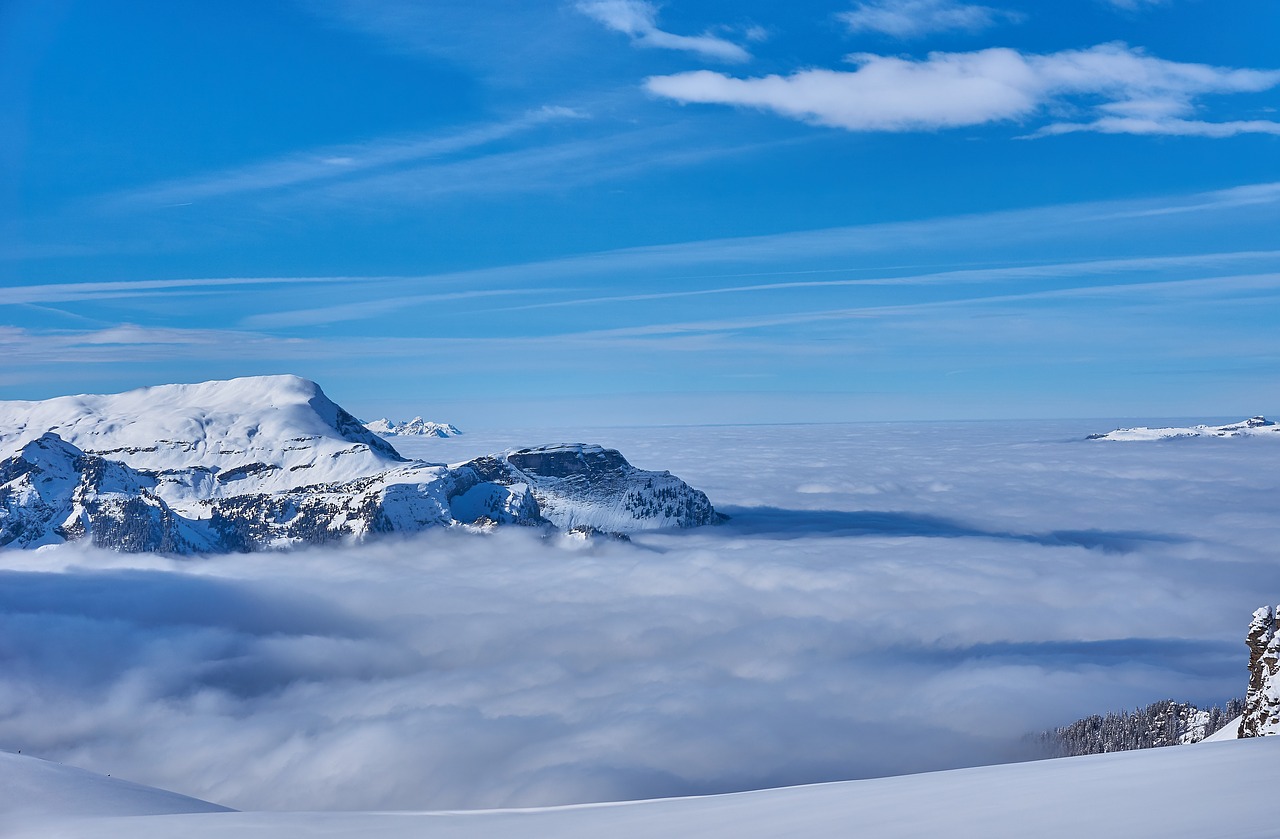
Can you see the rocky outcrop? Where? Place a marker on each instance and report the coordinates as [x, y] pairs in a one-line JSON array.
[[578, 485], [1163, 723], [51, 492], [1262, 702]]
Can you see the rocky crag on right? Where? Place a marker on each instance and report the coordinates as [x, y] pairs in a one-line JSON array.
[[1262, 702]]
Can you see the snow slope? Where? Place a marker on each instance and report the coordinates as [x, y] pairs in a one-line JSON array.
[[1252, 427], [1209, 790], [1227, 733], [30, 787]]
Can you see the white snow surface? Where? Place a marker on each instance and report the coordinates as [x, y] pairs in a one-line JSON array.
[[416, 427], [283, 424], [1228, 732], [1253, 427], [1215, 790]]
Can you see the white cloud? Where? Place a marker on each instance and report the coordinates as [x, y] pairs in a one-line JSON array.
[[638, 19], [1139, 93], [913, 18]]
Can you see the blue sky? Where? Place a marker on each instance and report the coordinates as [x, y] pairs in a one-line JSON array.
[[617, 211]]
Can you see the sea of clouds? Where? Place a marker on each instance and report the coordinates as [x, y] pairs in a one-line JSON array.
[[885, 599]]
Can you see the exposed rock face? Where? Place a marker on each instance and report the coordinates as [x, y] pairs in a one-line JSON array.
[[1262, 702], [257, 464], [583, 486], [52, 492]]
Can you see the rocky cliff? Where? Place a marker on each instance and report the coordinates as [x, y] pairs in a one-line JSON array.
[[1262, 702]]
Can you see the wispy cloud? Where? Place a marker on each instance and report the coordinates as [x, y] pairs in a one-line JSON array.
[[1170, 126], [504, 43], [1139, 93], [895, 291], [336, 163], [638, 19], [1202, 288], [131, 343], [914, 18], [1133, 5], [958, 277], [389, 173], [1249, 195], [105, 290], [364, 309]]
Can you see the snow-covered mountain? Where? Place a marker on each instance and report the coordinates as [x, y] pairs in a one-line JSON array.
[[262, 434], [416, 427], [271, 461], [1252, 427]]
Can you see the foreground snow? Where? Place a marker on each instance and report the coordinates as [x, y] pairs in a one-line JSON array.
[[34, 788], [1199, 792]]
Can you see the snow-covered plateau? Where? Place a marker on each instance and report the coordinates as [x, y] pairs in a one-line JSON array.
[[1253, 427], [267, 462]]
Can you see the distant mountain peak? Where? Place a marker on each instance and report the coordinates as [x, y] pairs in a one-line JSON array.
[[416, 427], [1258, 426]]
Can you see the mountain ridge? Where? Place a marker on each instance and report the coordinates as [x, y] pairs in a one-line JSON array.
[[271, 462], [416, 427]]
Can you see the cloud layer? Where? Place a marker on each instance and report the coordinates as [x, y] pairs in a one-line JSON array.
[[1138, 93], [886, 599]]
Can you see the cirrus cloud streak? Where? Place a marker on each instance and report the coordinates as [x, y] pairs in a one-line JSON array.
[[913, 18]]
